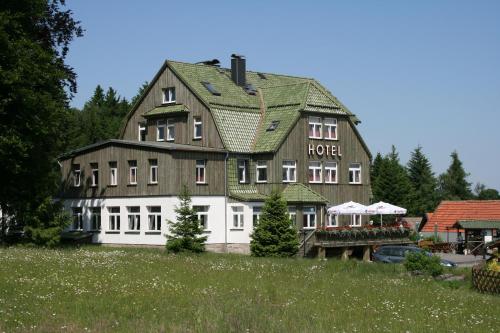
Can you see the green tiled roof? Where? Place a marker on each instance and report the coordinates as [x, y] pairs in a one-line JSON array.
[[165, 109], [245, 192], [237, 127], [301, 193], [268, 141]]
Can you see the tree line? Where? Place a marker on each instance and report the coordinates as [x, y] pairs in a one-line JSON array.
[[415, 186]]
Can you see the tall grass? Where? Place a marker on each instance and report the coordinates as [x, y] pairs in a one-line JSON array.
[[146, 290]]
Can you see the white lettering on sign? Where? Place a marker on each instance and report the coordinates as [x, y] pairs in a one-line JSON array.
[[324, 150]]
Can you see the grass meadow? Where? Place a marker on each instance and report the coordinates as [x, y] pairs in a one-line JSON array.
[[103, 289]]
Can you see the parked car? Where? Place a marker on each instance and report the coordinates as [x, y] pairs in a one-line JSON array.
[[397, 253]]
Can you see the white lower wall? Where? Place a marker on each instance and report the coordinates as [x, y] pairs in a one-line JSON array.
[[215, 230]]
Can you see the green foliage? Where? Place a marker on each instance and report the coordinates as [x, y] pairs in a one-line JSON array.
[[423, 263], [35, 87], [483, 193], [453, 183], [185, 233], [274, 235], [423, 182], [45, 224]]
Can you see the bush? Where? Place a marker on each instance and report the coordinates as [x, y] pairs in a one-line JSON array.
[[424, 263]]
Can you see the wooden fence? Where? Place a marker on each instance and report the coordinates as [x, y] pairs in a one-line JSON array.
[[485, 280]]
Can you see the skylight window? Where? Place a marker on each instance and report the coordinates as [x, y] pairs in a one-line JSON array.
[[210, 88], [250, 89], [274, 124], [262, 76]]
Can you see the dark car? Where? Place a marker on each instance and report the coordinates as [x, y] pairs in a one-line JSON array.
[[397, 253]]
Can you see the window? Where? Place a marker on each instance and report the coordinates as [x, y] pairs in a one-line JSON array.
[[309, 215], [200, 171], [198, 128], [154, 218], [95, 174], [355, 173], [274, 124], [292, 213], [160, 130], [355, 220], [210, 87], [243, 171], [238, 217], [153, 171], [289, 171], [330, 129], [169, 95], [95, 218], [261, 171], [333, 220], [315, 127], [170, 130], [256, 215], [331, 172], [114, 218], [77, 175], [315, 172], [142, 132], [132, 175], [77, 218], [134, 218], [202, 213], [113, 173]]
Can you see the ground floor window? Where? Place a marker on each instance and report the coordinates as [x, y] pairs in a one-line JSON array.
[[256, 215], [77, 218], [114, 218], [292, 213], [355, 220], [202, 213], [333, 220], [95, 218], [154, 218], [134, 218], [309, 217], [238, 216]]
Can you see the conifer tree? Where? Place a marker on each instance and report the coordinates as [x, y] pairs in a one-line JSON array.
[[274, 235], [375, 167], [186, 231], [453, 184], [423, 183]]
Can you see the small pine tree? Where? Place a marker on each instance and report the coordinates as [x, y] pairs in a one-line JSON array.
[[423, 183], [274, 235], [185, 233], [453, 184]]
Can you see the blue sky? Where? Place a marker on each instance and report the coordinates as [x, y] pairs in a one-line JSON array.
[[415, 72]]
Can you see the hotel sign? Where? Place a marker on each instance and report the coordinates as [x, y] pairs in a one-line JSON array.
[[324, 150]]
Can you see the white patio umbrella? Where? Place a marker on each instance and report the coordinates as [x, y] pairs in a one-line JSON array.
[[348, 208], [384, 208]]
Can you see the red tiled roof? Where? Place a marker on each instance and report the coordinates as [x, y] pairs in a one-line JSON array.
[[449, 212]]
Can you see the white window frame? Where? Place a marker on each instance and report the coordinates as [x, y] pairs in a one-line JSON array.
[[154, 218], [308, 222], [242, 170], [292, 214], [202, 214], [134, 218], [317, 172], [95, 218], [331, 167], [259, 166], [256, 212], [142, 127], [355, 220], [169, 95], [355, 173], [114, 218], [201, 175], [77, 214], [331, 129], [288, 166], [161, 124], [315, 125], [332, 220], [77, 175], [153, 171], [170, 130], [132, 173], [197, 123], [238, 217], [113, 173], [94, 175]]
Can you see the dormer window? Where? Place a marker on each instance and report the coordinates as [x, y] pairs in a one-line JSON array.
[[142, 132], [274, 124], [169, 95]]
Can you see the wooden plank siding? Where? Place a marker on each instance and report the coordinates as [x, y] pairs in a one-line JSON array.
[[184, 124], [175, 168]]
